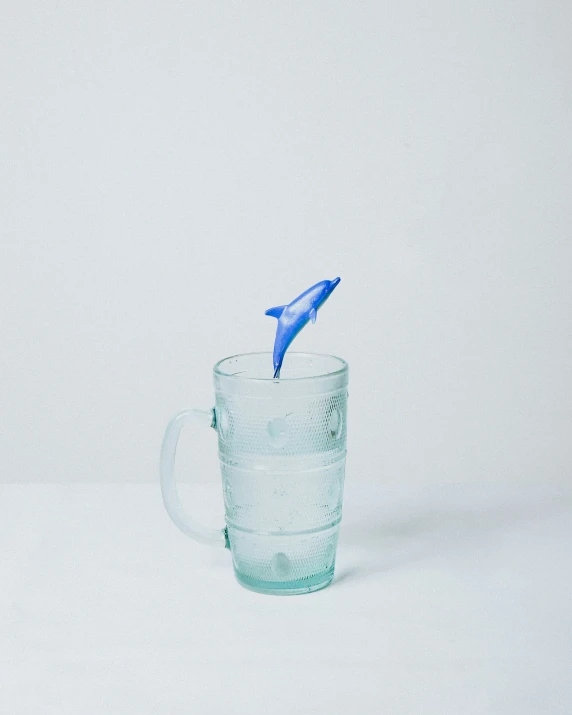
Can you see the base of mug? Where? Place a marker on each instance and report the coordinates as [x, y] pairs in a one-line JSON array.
[[289, 588]]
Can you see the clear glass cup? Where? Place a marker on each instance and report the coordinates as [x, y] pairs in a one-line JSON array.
[[282, 450]]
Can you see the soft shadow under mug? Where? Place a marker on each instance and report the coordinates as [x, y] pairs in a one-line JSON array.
[[282, 450]]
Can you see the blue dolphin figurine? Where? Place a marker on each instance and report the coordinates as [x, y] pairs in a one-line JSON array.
[[294, 316]]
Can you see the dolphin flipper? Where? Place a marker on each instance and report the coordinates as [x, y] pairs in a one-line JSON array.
[[313, 315], [275, 312]]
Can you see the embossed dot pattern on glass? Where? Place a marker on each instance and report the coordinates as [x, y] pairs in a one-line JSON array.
[[282, 453]]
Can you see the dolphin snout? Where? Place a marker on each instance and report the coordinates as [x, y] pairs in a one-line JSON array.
[[334, 283]]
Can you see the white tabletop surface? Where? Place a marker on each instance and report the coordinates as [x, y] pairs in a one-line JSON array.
[[447, 600]]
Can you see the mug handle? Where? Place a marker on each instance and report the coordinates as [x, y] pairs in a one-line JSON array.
[[204, 534]]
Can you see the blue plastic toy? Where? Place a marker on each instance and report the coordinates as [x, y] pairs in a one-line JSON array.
[[294, 316]]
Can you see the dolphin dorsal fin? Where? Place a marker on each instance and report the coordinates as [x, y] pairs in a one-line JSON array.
[[275, 312]]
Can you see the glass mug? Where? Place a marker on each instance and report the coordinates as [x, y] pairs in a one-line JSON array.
[[282, 451]]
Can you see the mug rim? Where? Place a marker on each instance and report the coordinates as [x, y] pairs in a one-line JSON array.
[[343, 368]]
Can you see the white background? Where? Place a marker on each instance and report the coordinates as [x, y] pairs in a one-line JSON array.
[[170, 170], [447, 600]]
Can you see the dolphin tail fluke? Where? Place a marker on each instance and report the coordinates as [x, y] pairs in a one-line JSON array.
[[275, 312], [277, 372]]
